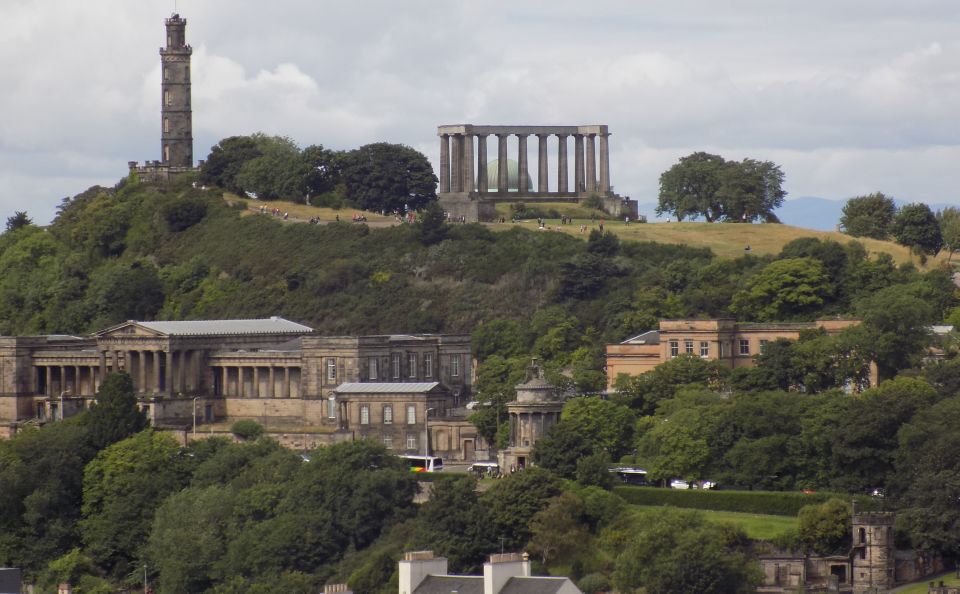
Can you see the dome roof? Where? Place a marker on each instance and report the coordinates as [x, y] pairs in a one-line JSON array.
[[513, 176]]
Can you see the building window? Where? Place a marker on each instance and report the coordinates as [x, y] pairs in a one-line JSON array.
[[169, 40], [364, 414], [166, 73], [372, 368], [166, 153], [455, 366], [688, 346], [411, 441], [387, 415], [388, 442], [167, 100], [744, 346], [412, 365], [331, 407], [411, 414], [166, 125], [331, 370], [674, 348], [428, 365], [395, 365], [763, 346], [723, 349], [704, 349]]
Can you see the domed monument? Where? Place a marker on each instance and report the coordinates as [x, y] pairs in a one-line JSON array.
[[471, 186], [536, 409]]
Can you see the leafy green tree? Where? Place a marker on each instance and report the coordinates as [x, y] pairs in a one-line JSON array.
[[690, 187], [949, 219], [678, 551], [116, 414], [278, 172], [323, 169], [19, 220], [751, 191], [916, 226], [825, 528], [675, 448], [122, 487], [247, 429], [184, 213], [226, 158], [558, 529], [560, 449], [453, 523], [868, 216], [604, 425], [432, 226], [388, 177], [783, 290], [644, 392], [894, 329], [515, 499], [594, 470]]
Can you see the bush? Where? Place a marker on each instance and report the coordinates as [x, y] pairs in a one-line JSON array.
[[247, 429], [593, 583], [184, 213], [752, 502]]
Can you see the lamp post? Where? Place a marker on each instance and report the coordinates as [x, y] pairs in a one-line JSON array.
[[195, 398], [426, 431], [61, 403]]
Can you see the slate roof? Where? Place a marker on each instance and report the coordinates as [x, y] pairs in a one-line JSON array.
[[273, 325], [385, 387], [648, 337], [445, 584], [533, 585]]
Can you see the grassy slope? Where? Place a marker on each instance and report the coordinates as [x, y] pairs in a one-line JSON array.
[[726, 240], [757, 526]]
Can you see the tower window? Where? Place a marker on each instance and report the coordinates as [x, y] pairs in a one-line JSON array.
[[169, 40], [167, 100], [166, 73], [166, 124], [166, 153]]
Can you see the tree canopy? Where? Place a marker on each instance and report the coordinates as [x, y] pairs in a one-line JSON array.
[[388, 177], [868, 216]]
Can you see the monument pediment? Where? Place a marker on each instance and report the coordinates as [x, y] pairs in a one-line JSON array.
[[128, 329]]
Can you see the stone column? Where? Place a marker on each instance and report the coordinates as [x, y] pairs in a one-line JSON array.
[[444, 163], [271, 392], [114, 361], [482, 184], [103, 364], [224, 378], [523, 175], [562, 174], [502, 163], [197, 363], [456, 165], [49, 370], [578, 183], [604, 163], [182, 371], [63, 378], [591, 163], [256, 382], [286, 382], [543, 173], [142, 363], [469, 180], [168, 372], [156, 371]]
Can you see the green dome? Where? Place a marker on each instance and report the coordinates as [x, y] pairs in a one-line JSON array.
[[513, 176]]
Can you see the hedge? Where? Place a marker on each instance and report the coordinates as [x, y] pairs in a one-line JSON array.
[[777, 503]]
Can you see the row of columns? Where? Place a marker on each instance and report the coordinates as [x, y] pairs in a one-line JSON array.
[[457, 162], [155, 370], [240, 387], [85, 381], [527, 427]]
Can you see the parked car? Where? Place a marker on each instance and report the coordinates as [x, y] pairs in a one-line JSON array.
[[679, 484]]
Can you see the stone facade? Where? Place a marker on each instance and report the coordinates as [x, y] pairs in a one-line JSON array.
[[733, 343], [536, 409], [176, 111], [466, 190], [273, 371]]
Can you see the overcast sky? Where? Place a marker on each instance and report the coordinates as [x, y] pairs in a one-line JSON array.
[[848, 97]]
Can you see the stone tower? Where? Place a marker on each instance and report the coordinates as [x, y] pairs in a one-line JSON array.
[[536, 409], [176, 144], [873, 552]]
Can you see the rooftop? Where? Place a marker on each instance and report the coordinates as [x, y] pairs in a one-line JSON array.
[[272, 325], [385, 387]]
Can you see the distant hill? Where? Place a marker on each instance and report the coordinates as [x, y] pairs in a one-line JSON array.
[[811, 212]]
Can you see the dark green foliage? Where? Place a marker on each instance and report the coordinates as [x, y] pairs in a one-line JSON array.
[[433, 228], [560, 450], [116, 414], [917, 227], [515, 499], [226, 158], [642, 393], [593, 471], [751, 502], [825, 528], [388, 177], [184, 213], [19, 220], [868, 216], [247, 429]]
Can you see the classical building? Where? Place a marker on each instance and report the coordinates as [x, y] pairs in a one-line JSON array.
[[506, 573], [176, 112], [466, 189], [277, 372], [536, 409], [733, 343]]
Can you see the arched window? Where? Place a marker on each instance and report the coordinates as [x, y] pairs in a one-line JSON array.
[[167, 100], [166, 153], [166, 125], [863, 535]]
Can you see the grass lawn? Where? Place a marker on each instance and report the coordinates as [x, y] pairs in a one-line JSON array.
[[949, 579], [757, 526]]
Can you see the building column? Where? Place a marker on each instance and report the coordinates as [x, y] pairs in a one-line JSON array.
[[168, 372], [543, 172], [286, 382], [469, 180], [256, 382], [197, 366], [482, 184], [49, 371], [223, 381], [63, 378], [444, 163], [103, 365], [156, 371], [240, 384], [182, 371], [142, 368], [562, 174], [591, 162], [604, 163], [523, 176], [579, 185], [456, 164], [271, 392], [114, 361], [502, 163], [77, 383]]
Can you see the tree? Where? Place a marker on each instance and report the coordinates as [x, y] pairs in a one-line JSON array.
[[785, 289], [825, 528], [389, 177], [868, 216], [278, 172], [706, 185], [18, 221], [116, 414], [560, 449], [453, 523], [517, 498], [916, 226], [323, 169], [894, 329], [605, 426], [949, 219], [558, 529], [226, 158], [644, 392], [432, 226]]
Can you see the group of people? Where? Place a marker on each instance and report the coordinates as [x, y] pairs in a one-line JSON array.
[[275, 212]]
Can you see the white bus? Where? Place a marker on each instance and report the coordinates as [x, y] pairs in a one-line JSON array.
[[423, 463]]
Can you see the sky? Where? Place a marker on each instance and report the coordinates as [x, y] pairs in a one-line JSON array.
[[847, 97]]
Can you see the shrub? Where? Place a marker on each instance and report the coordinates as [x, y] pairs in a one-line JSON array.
[[247, 429], [593, 583], [184, 213]]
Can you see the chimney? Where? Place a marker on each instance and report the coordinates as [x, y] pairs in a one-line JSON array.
[[337, 589], [416, 566], [64, 589], [500, 568]]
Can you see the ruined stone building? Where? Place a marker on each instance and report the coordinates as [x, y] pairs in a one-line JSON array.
[[398, 389]]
